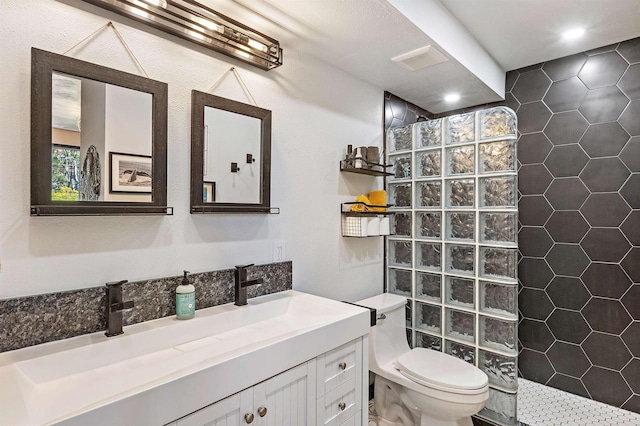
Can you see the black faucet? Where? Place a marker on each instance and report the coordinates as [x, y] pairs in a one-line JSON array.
[[115, 306], [242, 283]]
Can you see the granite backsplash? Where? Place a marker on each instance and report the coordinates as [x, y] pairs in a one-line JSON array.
[[31, 320]]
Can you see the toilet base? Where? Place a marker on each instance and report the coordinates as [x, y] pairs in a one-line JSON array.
[[435, 422], [396, 406], [383, 422], [430, 422]]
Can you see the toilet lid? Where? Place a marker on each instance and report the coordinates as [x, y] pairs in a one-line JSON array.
[[430, 367]]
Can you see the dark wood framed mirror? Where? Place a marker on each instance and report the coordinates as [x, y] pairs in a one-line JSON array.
[[98, 139], [230, 156]]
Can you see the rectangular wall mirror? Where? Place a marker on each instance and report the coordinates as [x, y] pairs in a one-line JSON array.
[[98, 139], [230, 156]]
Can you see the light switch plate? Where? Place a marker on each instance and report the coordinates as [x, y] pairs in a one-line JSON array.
[[278, 251]]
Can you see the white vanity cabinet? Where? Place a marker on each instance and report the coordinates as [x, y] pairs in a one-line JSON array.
[[327, 390], [286, 399]]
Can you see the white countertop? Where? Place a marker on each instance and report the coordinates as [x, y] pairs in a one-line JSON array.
[[160, 370]]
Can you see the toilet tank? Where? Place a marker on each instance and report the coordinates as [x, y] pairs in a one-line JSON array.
[[388, 338]]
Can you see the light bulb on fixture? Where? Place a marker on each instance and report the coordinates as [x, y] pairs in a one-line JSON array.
[[197, 34], [159, 3], [139, 12], [210, 25], [257, 45], [243, 54], [452, 97], [573, 34]]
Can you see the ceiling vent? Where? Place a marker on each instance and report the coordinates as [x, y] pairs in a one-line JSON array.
[[420, 58]]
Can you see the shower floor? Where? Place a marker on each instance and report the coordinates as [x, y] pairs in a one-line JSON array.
[[540, 405]]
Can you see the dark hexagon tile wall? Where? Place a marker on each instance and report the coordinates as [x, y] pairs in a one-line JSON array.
[[568, 293], [605, 139], [630, 155], [627, 83], [605, 209], [615, 358], [631, 338], [567, 226], [535, 365], [569, 384], [566, 127], [536, 210], [399, 112], [579, 180], [568, 359], [611, 273], [607, 386], [631, 301]]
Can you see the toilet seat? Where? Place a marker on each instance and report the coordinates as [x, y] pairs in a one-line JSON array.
[[440, 371]]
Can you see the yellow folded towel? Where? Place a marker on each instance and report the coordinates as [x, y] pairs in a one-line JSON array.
[[360, 207], [378, 198]]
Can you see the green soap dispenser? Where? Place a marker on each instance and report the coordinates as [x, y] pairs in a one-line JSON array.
[[185, 299]]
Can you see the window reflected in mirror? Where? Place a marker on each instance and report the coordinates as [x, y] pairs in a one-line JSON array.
[[65, 172]]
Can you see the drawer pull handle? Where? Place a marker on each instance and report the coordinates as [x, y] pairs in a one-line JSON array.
[[342, 366], [262, 411], [342, 406], [248, 417]]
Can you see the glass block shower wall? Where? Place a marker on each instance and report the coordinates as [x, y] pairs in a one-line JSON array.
[[453, 252]]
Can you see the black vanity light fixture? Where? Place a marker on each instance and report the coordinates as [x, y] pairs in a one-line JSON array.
[[200, 24]]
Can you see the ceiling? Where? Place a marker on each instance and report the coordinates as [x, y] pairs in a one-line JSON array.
[[518, 33], [482, 39]]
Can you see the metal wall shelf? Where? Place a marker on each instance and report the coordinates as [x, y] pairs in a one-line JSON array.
[[367, 209], [374, 169]]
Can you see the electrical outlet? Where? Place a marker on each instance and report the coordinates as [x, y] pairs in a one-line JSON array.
[[278, 251]]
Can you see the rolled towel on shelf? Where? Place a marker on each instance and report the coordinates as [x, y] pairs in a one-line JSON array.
[[384, 226], [373, 226]]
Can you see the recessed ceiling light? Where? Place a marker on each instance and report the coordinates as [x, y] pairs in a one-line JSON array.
[[573, 33], [452, 97]]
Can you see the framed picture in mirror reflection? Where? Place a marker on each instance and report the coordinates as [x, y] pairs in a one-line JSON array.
[[208, 192], [130, 173]]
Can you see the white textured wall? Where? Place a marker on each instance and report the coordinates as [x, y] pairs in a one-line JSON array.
[[317, 111]]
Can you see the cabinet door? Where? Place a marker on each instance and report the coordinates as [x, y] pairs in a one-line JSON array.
[[227, 412], [287, 399]]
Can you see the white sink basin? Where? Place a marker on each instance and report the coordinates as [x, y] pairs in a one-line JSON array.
[[223, 330], [62, 379]]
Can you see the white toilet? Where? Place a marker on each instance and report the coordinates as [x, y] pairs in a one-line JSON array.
[[418, 386]]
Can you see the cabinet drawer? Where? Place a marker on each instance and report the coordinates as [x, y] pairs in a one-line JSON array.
[[338, 366], [338, 405], [353, 420]]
